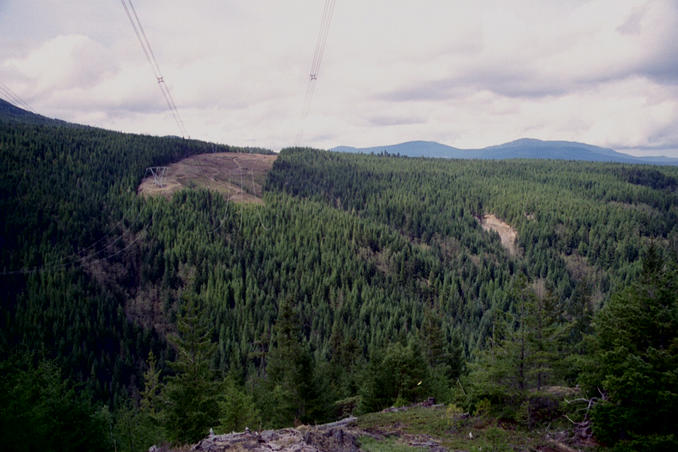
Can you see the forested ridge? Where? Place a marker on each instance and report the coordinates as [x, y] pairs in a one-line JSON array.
[[362, 281]]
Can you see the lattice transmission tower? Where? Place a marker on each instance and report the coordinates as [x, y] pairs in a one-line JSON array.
[[158, 173]]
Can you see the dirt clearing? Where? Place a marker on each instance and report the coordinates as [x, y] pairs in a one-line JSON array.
[[507, 234], [239, 177]]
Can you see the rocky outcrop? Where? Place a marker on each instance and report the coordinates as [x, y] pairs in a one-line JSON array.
[[328, 437]]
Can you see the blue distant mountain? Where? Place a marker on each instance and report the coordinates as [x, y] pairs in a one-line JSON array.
[[525, 148]]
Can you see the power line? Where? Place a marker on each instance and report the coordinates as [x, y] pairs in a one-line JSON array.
[[14, 98], [318, 53], [161, 80], [153, 62], [326, 21], [89, 253]]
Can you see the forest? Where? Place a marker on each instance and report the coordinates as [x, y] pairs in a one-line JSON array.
[[361, 282]]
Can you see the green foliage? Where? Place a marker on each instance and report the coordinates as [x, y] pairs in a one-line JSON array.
[[71, 235], [444, 355], [635, 361], [497, 440], [451, 427], [523, 356], [373, 251], [290, 371], [399, 377], [151, 402], [42, 412], [136, 430], [191, 395], [386, 445], [237, 408], [139, 427]]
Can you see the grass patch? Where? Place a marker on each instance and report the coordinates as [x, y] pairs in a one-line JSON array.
[[447, 426], [425, 421], [370, 444]]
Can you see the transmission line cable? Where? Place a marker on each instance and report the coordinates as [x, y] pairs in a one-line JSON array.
[[157, 68], [14, 98], [81, 257], [318, 53], [153, 62]]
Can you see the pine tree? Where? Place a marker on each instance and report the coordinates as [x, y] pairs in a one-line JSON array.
[[237, 407], [526, 345], [401, 376], [150, 401], [290, 371], [433, 340], [635, 360], [149, 429], [191, 395]]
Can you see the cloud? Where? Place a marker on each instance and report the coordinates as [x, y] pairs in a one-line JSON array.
[[529, 53], [62, 62], [467, 74], [393, 120]]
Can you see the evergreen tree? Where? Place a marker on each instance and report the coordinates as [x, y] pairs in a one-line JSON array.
[[139, 427], [237, 408], [150, 396], [433, 340], [401, 376], [444, 356], [290, 371], [635, 360], [526, 346], [191, 395], [42, 412]]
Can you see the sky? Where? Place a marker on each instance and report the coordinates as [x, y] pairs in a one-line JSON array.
[[466, 74]]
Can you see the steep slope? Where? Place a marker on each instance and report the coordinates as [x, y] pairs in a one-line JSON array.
[[72, 233], [238, 176], [10, 112]]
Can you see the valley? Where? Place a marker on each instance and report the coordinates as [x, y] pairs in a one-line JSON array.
[[135, 315]]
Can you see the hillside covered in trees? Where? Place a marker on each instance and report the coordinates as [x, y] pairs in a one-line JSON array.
[[360, 282]]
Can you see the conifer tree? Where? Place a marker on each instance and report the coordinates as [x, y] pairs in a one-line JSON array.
[[290, 370], [635, 360], [191, 395], [237, 408], [526, 345], [150, 401], [401, 376]]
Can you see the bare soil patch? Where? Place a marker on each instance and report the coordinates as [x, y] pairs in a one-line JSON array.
[[507, 234], [239, 177]]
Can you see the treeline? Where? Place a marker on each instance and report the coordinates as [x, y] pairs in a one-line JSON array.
[[361, 282]]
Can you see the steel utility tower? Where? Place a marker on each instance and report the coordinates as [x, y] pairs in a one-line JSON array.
[[158, 173]]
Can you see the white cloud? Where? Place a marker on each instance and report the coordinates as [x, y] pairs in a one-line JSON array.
[[62, 62], [467, 74]]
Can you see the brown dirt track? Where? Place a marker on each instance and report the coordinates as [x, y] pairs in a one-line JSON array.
[[506, 233], [239, 177]]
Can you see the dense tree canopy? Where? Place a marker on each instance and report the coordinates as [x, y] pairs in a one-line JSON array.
[[369, 272], [636, 360]]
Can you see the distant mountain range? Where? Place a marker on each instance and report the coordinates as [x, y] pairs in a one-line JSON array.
[[525, 148]]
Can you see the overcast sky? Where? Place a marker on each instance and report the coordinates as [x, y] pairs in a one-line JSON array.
[[467, 74]]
